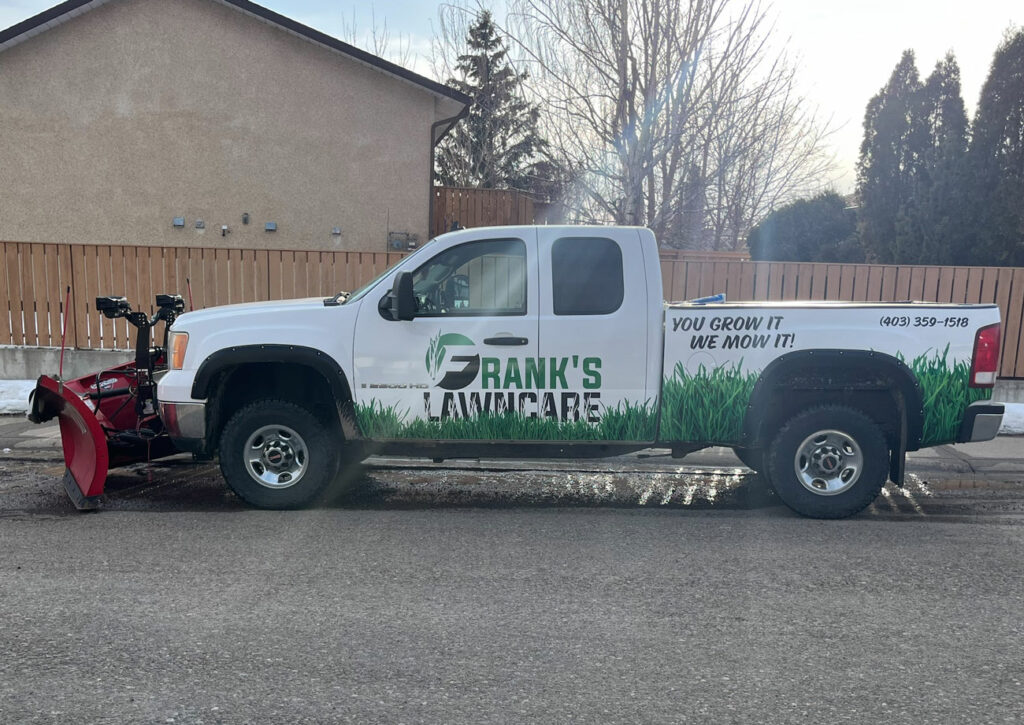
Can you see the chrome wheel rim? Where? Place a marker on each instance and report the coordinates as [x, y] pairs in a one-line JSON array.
[[276, 456], [828, 462]]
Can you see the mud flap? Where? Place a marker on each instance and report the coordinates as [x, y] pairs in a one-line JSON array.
[[85, 446], [898, 455]]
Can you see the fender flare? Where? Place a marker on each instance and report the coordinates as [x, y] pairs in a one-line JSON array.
[[231, 357], [894, 368]]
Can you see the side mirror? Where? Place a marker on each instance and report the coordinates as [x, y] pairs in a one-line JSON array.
[[403, 300]]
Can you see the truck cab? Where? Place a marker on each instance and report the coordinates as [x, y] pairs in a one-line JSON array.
[[512, 320]]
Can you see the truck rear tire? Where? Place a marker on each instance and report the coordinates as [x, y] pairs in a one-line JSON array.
[[278, 455], [828, 462]]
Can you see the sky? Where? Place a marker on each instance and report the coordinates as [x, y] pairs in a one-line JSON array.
[[845, 49]]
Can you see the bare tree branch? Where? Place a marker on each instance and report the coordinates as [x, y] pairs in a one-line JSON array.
[[679, 116]]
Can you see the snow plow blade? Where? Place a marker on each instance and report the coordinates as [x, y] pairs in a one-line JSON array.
[[85, 446], [109, 418]]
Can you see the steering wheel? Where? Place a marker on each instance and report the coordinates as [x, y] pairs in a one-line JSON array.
[[425, 303]]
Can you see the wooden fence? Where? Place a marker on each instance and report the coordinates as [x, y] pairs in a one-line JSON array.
[[739, 280], [35, 276], [478, 208]]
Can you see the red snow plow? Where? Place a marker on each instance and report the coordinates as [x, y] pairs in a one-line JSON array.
[[109, 418]]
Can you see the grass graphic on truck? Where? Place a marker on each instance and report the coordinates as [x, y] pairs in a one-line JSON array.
[[708, 405], [626, 422], [945, 395]]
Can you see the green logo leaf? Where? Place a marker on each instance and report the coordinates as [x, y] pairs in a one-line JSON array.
[[438, 346]]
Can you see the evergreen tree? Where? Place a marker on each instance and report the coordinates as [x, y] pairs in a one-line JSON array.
[[496, 145], [549, 182], [997, 159], [821, 229], [932, 225], [895, 138]]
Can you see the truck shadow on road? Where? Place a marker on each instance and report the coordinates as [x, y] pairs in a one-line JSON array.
[[482, 487], [178, 484]]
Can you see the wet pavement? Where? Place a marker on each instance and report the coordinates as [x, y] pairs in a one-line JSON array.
[[628, 590], [635, 589]]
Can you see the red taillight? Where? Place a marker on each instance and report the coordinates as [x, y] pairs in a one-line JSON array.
[[985, 363]]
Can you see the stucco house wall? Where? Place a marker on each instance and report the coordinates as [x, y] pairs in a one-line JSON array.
[[135, 112]]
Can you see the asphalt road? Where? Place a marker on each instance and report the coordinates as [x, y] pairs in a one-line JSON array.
[[528, 594]]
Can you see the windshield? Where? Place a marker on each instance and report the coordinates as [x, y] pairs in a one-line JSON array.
[[362, 291]]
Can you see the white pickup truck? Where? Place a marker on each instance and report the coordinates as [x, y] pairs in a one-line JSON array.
[[554, 341]]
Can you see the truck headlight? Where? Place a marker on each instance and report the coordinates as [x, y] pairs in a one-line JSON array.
[[178, 343]]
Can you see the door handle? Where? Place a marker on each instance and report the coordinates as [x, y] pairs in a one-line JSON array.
[[506, 341]]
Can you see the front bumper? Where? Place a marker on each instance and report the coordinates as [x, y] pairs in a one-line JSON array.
[[981, 422], [185, 423]]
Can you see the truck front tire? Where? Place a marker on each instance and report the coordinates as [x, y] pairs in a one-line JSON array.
[[278, 455], [828, 462]]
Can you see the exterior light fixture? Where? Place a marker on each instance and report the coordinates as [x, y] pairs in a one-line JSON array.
[[270, 226], [178, 221]]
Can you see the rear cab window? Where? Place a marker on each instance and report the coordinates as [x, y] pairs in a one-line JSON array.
[[586, 276]]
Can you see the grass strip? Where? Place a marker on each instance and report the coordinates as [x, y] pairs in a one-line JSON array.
[[706, 406], [625, 422]]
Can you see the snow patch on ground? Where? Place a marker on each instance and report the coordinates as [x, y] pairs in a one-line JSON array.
[[14, 399], [14, 395], [1013, 419]]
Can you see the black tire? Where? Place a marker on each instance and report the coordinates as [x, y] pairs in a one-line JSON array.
[[257, 442], [828, 462]]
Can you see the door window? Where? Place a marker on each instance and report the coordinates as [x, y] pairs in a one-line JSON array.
[[485, 278]]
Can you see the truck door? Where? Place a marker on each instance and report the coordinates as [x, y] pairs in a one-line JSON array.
[[594, 334], [456, 371]]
